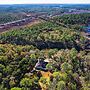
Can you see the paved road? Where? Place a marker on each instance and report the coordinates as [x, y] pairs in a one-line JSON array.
[[18, 23]]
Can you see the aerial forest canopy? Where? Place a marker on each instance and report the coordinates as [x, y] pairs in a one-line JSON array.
[[67, 66], [74, 19], [45, 32]]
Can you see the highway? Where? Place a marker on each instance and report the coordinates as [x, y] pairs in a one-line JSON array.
[[18, 23]]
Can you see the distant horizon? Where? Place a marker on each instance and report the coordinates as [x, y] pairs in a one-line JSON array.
[[44, 2]]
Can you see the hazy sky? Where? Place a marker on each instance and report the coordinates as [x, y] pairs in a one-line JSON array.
[[42, 1]]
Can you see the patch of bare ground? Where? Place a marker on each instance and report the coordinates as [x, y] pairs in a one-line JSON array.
[[23, 26], [33, 23]]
